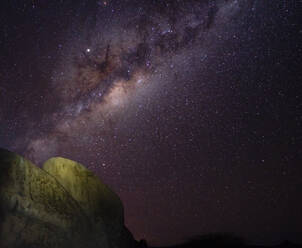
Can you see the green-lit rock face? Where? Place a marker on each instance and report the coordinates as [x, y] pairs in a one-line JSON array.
[[35, 208], [98, 201], [61, 205]]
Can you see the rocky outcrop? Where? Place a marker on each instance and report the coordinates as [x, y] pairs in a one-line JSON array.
[[100, 203], [61, 205]]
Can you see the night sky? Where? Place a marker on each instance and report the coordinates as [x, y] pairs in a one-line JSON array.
[[190, 110]]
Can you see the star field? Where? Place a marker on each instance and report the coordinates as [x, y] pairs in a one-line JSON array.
[[189, 110]]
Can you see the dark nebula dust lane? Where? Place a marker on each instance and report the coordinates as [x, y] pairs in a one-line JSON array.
[[108, 65], [190, 110]]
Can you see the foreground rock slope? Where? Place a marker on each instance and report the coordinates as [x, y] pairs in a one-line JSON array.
[[61, 205]]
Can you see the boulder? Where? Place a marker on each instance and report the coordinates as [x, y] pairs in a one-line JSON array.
[[62, 205], [98, 201], [36, 211]]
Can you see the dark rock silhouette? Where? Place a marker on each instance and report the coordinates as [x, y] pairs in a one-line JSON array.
[[212, 240], [216, 239], [142, 244], [66, 205], [224, 240], [61, 205]]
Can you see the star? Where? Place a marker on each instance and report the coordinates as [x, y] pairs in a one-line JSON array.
[[178, 105]]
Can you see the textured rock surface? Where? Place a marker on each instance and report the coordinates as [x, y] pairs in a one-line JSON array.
[[36, 209], [64, 206], [100, 203]]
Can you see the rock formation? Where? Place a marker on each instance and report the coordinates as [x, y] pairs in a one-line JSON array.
[[61, 205]]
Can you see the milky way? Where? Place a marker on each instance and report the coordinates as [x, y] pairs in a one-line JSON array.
[[102, 73], [180, 106]]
